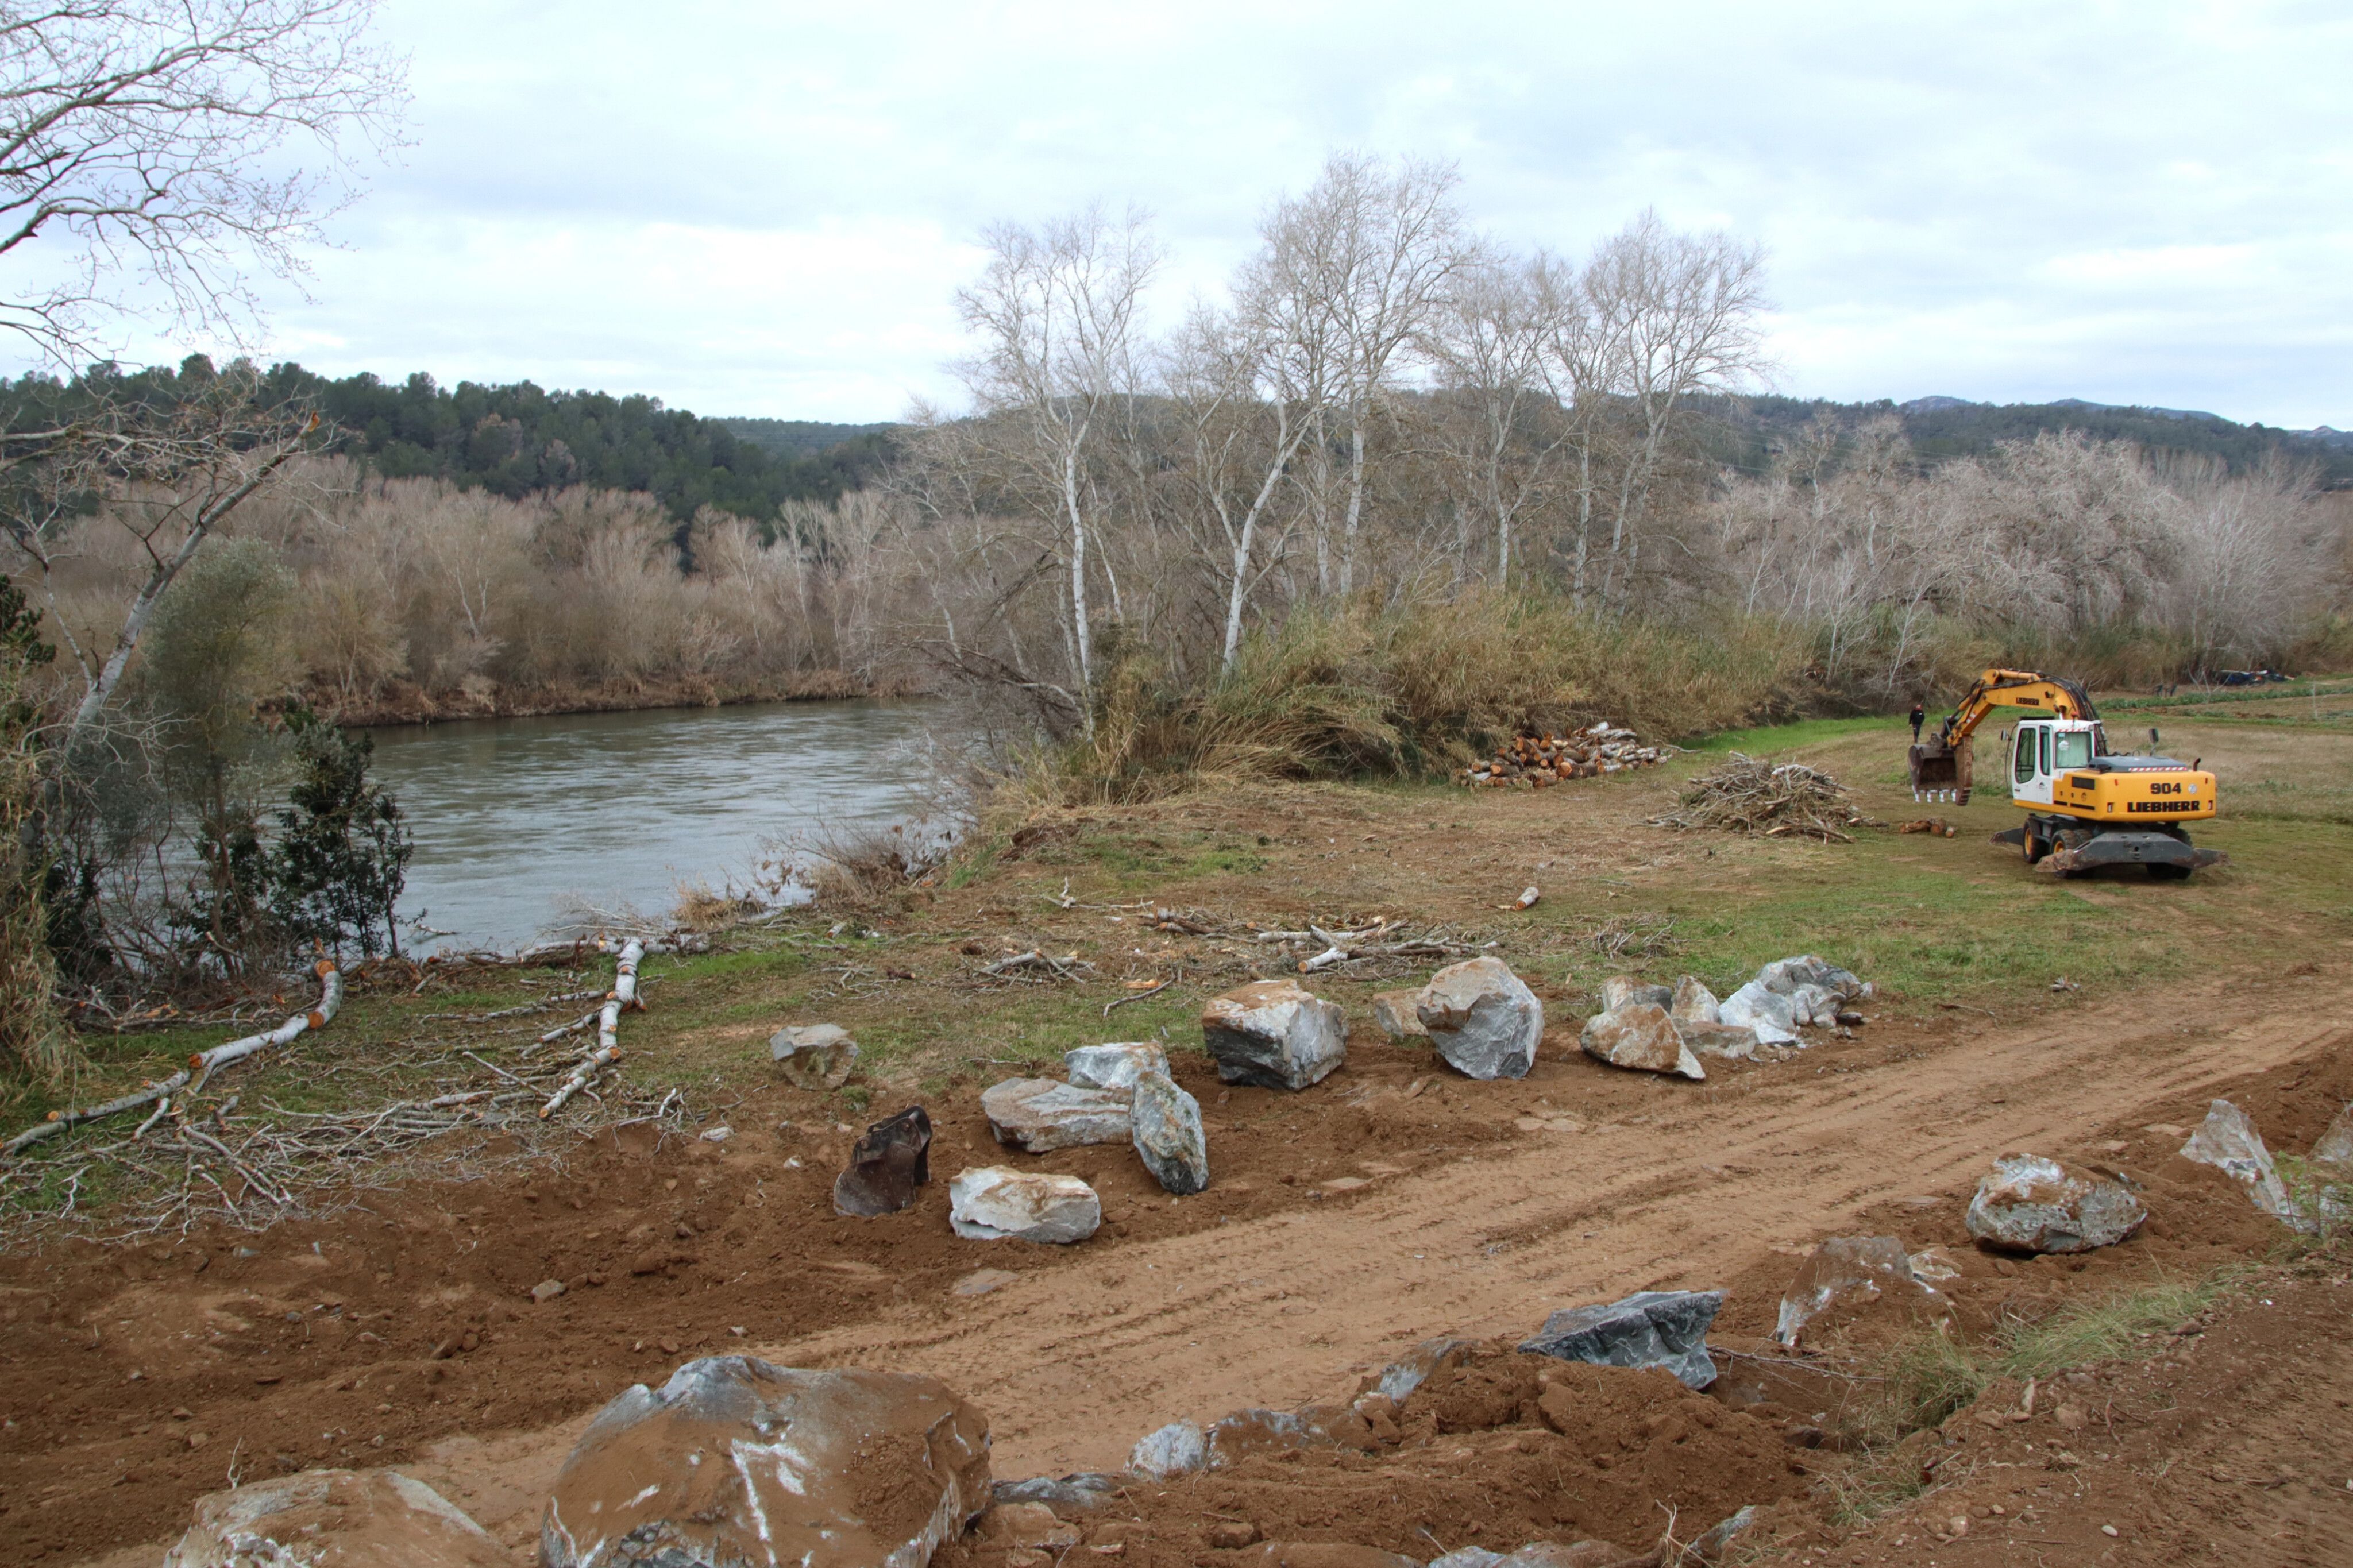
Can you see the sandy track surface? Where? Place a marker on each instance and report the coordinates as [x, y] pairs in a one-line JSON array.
[[1074, 1364]]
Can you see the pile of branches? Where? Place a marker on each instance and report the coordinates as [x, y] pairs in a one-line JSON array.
[[1771, 800], [1535, 762]]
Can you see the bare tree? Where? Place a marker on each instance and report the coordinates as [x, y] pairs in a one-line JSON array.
[[1489, 339], [1674, 316], [1056, 313], [146, 140]]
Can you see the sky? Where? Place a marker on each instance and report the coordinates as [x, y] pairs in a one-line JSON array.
[[765, 209]]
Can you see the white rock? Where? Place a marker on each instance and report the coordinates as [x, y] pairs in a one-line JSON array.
[[1766, 1012], [1693, 1002], [1811, 1007], [2028, 1204], [2336, 1144], [1173, 1450], [1114, 1066], [736, 1461], [1042, 1115], [351, 1519], [1483, 1019], [1274, 1035], [992, 1203], [814, 1056], [1624, 990], [2227, 1141]]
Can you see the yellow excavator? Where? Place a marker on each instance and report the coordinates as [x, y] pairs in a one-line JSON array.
[[2085, 806]]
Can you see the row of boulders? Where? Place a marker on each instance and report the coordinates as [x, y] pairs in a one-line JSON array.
[[1666, 1029], [1535, 762]]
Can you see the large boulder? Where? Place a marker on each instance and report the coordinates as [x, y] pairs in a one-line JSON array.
[[1693, 1003], [2028, 1204], [1651, 1328], [992, 1203], [2227, 1140], [1768, 1013], [1274, 1035], [1845, 1269], [1640, 1036], [333, 1518], [890, 1159], [1042, 1115], [1483, 1019], [814, 1056], [734, 1462], [1169, 1139], [1625, 991], [1114, 1066], [1735, 1042]]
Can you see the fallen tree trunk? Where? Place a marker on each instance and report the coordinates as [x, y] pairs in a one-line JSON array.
[[620, 999]]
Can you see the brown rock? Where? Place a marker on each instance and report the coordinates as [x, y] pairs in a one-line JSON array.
[[1233, 1535], [891, 1159], [1394, 1012], [1031, 1524], [1642, 1036], [351, 1519]]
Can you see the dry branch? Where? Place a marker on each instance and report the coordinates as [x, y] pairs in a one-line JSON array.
[[1771, 800], [331, 998]]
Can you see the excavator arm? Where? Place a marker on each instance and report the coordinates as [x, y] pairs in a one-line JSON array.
[[1940, 763]]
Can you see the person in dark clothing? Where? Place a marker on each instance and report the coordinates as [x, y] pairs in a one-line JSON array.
[[1919, 717]]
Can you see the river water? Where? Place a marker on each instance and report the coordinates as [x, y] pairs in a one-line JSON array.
[[515, 818]]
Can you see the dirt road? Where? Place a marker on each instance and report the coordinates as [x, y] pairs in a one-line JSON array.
[[1672, 1186]]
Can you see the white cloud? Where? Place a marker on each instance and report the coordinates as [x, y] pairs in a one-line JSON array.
[[764, 209]]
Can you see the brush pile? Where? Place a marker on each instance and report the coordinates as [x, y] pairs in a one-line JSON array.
[[1771, 800], [1534, 762]]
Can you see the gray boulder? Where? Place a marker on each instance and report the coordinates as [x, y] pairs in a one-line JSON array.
[[1785, 975], [1733, 1042], [1082, 1492], [814, 1056], [1172, 1450], [1640, 1036], [1394, 1012], [1113, 1067], [1814, 1007], [993, 1202], [2336, 1144], [734, 1461], [1042, 1115], [1274, 1035], [1169, 1139], [2028, 1204], [1624, 991], [1693, 1002], [1768, 1013], [352, 1518], [1483, 1019], [1651, 1328], [2227, 1140]]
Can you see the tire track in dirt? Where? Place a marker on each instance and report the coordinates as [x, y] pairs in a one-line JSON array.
[[1074, 1363], [1074, 1366]]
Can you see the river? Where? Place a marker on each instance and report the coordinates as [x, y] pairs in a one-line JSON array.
[[514, 818]]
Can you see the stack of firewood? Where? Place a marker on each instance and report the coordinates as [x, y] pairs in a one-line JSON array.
[[1533, 761]]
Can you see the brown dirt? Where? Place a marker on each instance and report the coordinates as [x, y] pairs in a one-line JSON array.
[[1344, 1223]]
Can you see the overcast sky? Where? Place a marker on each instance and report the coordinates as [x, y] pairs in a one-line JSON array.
[[764, 208]]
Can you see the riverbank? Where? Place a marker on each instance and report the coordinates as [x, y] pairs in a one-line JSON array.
[[403, 703], [1393, 1202]]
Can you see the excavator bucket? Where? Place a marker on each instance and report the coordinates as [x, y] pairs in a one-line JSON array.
[[1940, 772]]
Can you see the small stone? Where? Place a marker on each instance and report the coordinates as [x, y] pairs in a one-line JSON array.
[[1030, 1524], [993, 1202], [1394, 1012], [547, 1290], [1693, 1003], [357, 1517], [1650, 1328], [1042, 1115], [890, 1159], [1625, 991], [1957, 1526], [2108, 1529], [2028, 1204], [1172, 1450], [981, 1281], [1274, 1033], [1811, 1007], [1115, 1067], [734, 1460], [2071, 1418], [2227, 1141], [1227, 1535], [1767, 1012], [1483, 1019], [1640, 1036], [1169, 1134], [814, 1056]]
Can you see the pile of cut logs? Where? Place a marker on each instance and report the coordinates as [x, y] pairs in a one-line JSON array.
[[1533, 761]]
